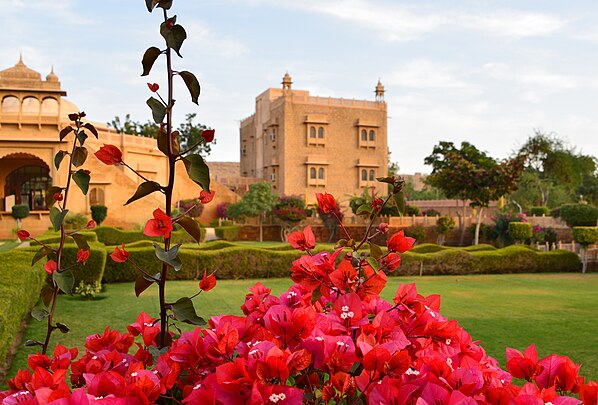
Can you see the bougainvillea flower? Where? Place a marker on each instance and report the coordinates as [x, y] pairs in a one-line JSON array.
[[391, 261], [326, 202], [161, 225], [120, 255], [57, 197], [377, 203], [154, 87], [205, 197], [208, 135], [383, 228], [91, 224], [83, 255], [109, 155], [523, 365], [50, 266], [23, 234], [207, 283], [146, 326], [303, 240], [400, 243]]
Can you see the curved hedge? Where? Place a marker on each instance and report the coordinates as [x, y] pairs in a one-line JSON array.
[[54, 237], [432, 248], [111, 236]]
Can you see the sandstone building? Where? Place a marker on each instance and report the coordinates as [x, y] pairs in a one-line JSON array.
[[32, 113], [304, 144]]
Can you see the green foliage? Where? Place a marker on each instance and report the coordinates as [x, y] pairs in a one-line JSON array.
[[259, 200], [411, 210], [54, 237], [577, 214], [20, 286], [520, 231], [112, 236], [431, 213], [88, 291], [389, 210], [20, 211], [445, 224], [417, 231], [585, 235], [432, 248], [539, 211], [290, 208], [99, 213], [75, 221], [229, 233]]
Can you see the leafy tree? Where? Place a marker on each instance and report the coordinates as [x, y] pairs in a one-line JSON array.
[[257, 202]]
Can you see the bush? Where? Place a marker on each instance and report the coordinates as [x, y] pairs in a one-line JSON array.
[[520, 231], [431, 213], [184, 205], [88, 291], [578, 214], [418, 232], [290, 208], [20, 286], [539, 211], [99, 213], [54, 237], [20, 211], [411, 210], [445, 224], [585, 235], [221, 209], [75, 221], [111, 236], [227, 232]]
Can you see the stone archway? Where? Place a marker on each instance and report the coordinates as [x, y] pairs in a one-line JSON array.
[[24, 179]]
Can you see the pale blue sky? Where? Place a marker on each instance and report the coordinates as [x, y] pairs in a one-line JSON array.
[[488, 72]]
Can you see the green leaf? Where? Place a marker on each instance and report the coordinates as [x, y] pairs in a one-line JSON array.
[[373, 262], [49, 197], [191, 226], [198, 170], [149, 58], [142, 284], [82, 179], [375, 251], [163, 142], [169, 257], [389, 180], [65, 131], [57, 217], [174, 36], [184, 311], [80, 240], [192, 84], [31, 342], [65, 281], [47, 294], [58, 158], [81, 136], [144, 189], [158, 109], [364, 209], [39, 314], [316, 295], [79, 156], [40, 254], [92, 129], [62, 327]]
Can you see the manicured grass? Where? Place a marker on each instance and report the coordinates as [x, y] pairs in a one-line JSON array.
[[557, 312], [7, 245]]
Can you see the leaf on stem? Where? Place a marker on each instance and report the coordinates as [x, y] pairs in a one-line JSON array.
[[192, 84], [158, 109], [58, 158], [47, 294], [142, 283], [62, 327], [184, 311], [65, 131], [149, 58], [198, 171], [375, 251], [169, 256], [79, 156], [81, 241], [49, 197], [39, 314], [144, 189], [174, 36], [56, 217], [163, 142], [364, 209], [82, 178], [373, 262], [92, 129], [81, 136], [40, 254], [65, 281], [151, 4], [191, 226], [31, 342]]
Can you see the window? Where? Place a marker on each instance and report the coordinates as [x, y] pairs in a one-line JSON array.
[[312, 132], [312, 173], [30, 106], [372, 175], [244, 151], [273, 135], [10, 105], [321, 173], [364, 135], [29, 184], [321, 132], [49, 106], [96, 196], [364, 175], [372, 135]]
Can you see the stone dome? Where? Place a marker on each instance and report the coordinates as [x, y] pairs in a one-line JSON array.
[[52, 76], [20, 72]]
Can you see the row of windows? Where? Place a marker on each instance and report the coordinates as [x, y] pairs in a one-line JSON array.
[[29, 105], [320, 132], [320, 173], [364, 135], [364, 175]]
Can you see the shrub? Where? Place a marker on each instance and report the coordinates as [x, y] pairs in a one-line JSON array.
[[539, 211], [20, 211], [221, 209], [417, 231], [444, 225], [184, 205], [431, 212], [228, 232], [88, 291], [54, 237], [99, 213], [578, 214], [411, 210], [520, 231], [501, 227], [20, 286], [112, 236], [585, 235], [75, 221]]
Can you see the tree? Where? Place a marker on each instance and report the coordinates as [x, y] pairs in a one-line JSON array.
[[470, 174], [257, 202]]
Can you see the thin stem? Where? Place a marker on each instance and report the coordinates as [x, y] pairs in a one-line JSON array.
[[189, 149], [340, 222], [184, 213], [136, 172], [367, 232], [145, 273]]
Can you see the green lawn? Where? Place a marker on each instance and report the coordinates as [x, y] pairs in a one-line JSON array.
[[558, 312], [7, 245]]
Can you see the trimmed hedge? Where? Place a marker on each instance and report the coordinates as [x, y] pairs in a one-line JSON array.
[[432, 248], [585, 235], [539, 211], [520, 231], [227, 232], [578, 214], [111, 236], [20, 285], [54, 237]]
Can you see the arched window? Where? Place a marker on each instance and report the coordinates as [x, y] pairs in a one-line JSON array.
[[10, 105], [312, 132], [364, 135], [30, 106], [96, 196], [28, 184], [312, 173], [49, 106], [364, 175], [372, 175], [372, 135], [321, 132], [321, 173]]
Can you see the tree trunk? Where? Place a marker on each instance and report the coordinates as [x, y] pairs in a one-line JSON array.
[[261, 228], [476, 237], [584, 258], [462, 224]]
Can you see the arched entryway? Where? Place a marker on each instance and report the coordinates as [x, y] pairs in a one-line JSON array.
[[24, 179]]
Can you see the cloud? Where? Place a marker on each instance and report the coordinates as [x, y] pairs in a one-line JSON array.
[[531, 77], [62, 9], [214, 43], [426, 74]]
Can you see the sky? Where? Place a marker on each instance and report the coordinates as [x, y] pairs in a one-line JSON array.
[[487, 72]]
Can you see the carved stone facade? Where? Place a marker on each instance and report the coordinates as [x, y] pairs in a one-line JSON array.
[[304, 144]]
